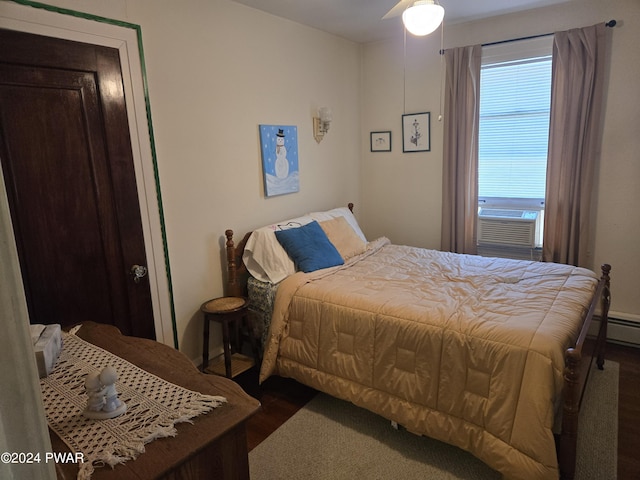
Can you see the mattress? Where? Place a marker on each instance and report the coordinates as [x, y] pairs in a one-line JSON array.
[[261, 299], [465, 349]]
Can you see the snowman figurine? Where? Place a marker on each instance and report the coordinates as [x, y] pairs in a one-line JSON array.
[[282, 164]]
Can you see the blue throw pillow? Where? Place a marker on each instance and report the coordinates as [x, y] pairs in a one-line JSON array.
[[309, 247]]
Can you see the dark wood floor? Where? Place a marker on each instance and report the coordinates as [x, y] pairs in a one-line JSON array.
[[281, 398]]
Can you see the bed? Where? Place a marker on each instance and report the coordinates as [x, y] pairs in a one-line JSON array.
[[486, 354]]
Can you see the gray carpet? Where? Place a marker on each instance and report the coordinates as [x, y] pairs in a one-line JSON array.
[[330, 439]]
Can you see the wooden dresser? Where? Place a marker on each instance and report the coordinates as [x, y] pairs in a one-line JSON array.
[[213, 447]]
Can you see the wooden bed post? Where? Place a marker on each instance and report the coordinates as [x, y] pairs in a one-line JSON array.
[[570, 411], [576, 373], [233, 289], [236, 269], [604, 314]]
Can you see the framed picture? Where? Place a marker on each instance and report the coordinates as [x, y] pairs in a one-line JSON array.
[[416, 132], [279, 147], [381, 141]]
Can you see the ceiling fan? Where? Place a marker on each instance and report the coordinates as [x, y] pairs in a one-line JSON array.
[[420, 17]]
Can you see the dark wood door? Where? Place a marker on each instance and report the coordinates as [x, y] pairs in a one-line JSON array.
[[68, 167]]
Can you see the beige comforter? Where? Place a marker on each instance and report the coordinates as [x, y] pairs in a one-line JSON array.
[[464, 349]]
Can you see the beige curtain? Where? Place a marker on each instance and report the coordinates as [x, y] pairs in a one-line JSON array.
[[460, 172], [577, 90]]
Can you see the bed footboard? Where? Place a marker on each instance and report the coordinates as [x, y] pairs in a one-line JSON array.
[[576, 371]]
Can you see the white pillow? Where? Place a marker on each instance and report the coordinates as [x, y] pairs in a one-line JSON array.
[[265, 258], [339, 212], [263, 255]]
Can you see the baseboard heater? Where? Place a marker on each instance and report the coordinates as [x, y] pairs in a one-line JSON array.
[[624, 332]]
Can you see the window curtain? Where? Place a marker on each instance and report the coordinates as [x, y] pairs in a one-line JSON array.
[[577, 90], [460, 169]]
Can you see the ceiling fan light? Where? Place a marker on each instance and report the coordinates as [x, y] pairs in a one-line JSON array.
[[423, 17]]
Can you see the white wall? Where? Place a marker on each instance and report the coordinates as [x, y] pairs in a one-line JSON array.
[[402, 191], [412, 182], [215, 71]]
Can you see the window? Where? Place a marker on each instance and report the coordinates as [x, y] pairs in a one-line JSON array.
[[515, 97], [515, 103]]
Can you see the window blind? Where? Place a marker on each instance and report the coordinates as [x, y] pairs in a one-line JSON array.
[[515, 97]]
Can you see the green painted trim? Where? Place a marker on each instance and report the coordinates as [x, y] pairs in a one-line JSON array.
[[73, 13], [143, 67]]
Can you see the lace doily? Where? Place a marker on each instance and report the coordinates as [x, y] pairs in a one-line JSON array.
[[154, 406]]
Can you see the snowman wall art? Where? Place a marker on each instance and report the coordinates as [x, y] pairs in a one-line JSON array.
[[279, 145]]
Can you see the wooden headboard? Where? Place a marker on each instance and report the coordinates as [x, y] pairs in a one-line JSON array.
[[237, 274]]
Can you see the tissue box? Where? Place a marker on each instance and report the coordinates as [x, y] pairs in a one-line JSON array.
[[47, 349]]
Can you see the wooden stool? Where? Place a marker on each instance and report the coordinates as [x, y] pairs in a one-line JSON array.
[[232, 314]]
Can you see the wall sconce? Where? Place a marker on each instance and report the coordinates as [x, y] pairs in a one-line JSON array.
[[321, 123]]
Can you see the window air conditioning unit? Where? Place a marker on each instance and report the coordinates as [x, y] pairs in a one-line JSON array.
[[516, 228]]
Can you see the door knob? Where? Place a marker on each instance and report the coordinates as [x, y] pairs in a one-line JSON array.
[[137, 272]]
